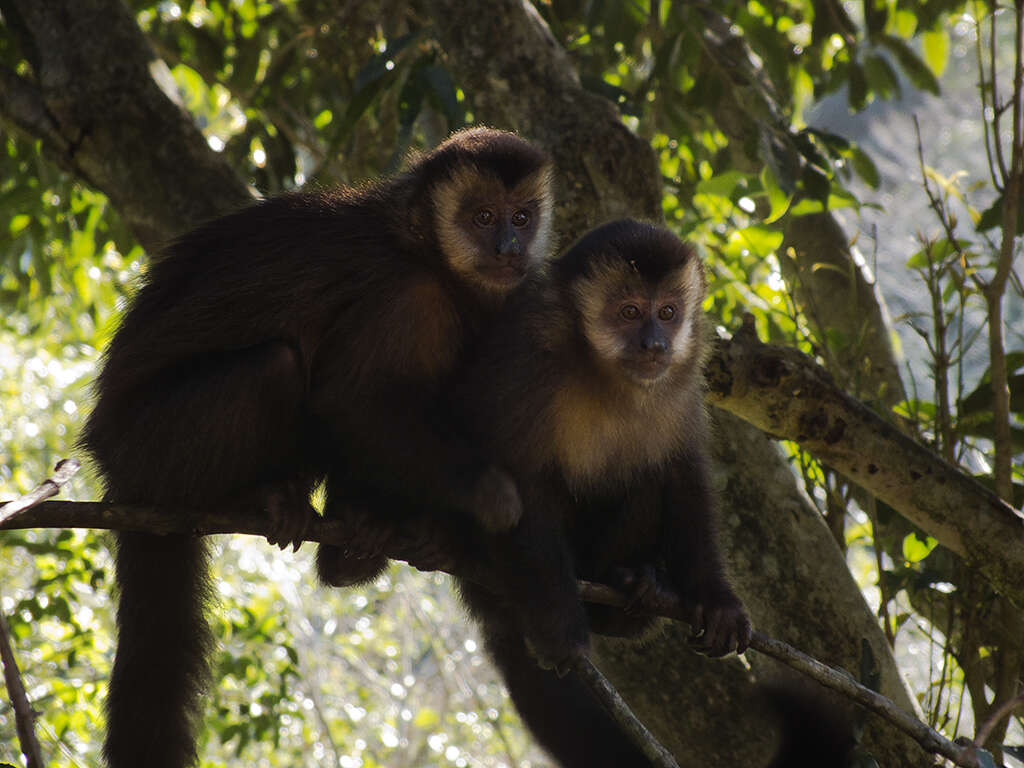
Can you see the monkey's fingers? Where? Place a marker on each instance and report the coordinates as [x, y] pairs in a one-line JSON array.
[[726, 629], [560, 667], [640, 585]]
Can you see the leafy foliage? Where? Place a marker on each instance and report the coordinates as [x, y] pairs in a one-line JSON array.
[[309, 91]]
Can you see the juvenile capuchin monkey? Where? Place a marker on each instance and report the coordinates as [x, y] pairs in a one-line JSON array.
[[590, 392], [314, 325]]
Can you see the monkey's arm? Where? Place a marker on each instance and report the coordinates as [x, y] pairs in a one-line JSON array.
[[535, 564], [693, 561], [408, 447]]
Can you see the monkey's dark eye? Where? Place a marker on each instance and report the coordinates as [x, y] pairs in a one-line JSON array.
[[483, 218], [666, 313], [520, 218], [630, 312]]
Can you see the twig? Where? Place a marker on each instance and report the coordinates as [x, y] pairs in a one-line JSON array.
[[986, 728], [94, 514], [62, 473], [605, 692], [24, 716], [670, 606]]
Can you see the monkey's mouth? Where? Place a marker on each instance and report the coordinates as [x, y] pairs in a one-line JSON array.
[[646, 370], [504, 274]]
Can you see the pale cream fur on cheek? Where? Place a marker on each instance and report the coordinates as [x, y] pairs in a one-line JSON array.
[[690, 287], [458, 249], [591, 301], [539, 187]]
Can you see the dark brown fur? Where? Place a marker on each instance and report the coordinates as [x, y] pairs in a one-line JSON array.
[[308, 333], [600, 420]]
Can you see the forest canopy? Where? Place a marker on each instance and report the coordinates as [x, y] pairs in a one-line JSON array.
[[851, 173]]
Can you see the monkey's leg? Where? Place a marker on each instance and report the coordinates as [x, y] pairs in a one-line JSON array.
[[376, 523], [534, 567], [560, 712], [406, 444], [694, 563], [226, 429], [191, 440]]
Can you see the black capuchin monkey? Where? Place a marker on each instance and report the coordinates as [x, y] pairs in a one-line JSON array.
[[590, 392], [311, 324]]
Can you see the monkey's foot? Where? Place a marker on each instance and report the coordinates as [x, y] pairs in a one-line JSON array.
[[721, 624], [640, 585], [364, 555], [426, 550], [496, 503], [337, 567], [287, 505]]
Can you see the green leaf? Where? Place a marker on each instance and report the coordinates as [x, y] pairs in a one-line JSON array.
[[918, 72], [905, 23], [777, 199], [444, 96], [760, 240], [722, 184], [881, 76], [935, 46], [864, 166], [858, 93], [915, 550]]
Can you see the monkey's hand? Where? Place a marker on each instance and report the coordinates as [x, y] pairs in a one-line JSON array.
[[287, 505], [721, 624], [496, 503]]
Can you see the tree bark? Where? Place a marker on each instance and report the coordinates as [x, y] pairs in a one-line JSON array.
[[815, 256], [97, 97], [787, 395], [785, 564], [93, 101]]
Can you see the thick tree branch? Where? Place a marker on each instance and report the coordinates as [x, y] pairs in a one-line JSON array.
[[786, 394], [105, 515], [516, 77], [22, 104], [102, 115]]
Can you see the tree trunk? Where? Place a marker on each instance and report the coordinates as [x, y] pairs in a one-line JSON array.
[[786, 566], [94, 102]]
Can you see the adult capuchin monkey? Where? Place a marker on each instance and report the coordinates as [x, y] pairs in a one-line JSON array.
[[311, 324], [590, 392]]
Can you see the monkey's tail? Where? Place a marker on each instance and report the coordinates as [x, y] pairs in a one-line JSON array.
[[162, 665], [817, 732]]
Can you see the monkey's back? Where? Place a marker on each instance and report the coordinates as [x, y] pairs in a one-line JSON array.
[[285, 270]]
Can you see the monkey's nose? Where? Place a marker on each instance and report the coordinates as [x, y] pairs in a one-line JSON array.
[[655, 346], [508, 247]]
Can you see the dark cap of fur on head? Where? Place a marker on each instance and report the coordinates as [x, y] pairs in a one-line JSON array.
[[501, 153], [652, 250]]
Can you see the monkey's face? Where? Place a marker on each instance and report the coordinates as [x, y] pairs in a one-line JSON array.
[[491, 234], [642, 328]]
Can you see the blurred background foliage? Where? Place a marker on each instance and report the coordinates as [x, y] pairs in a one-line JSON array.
[[309, 91]]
